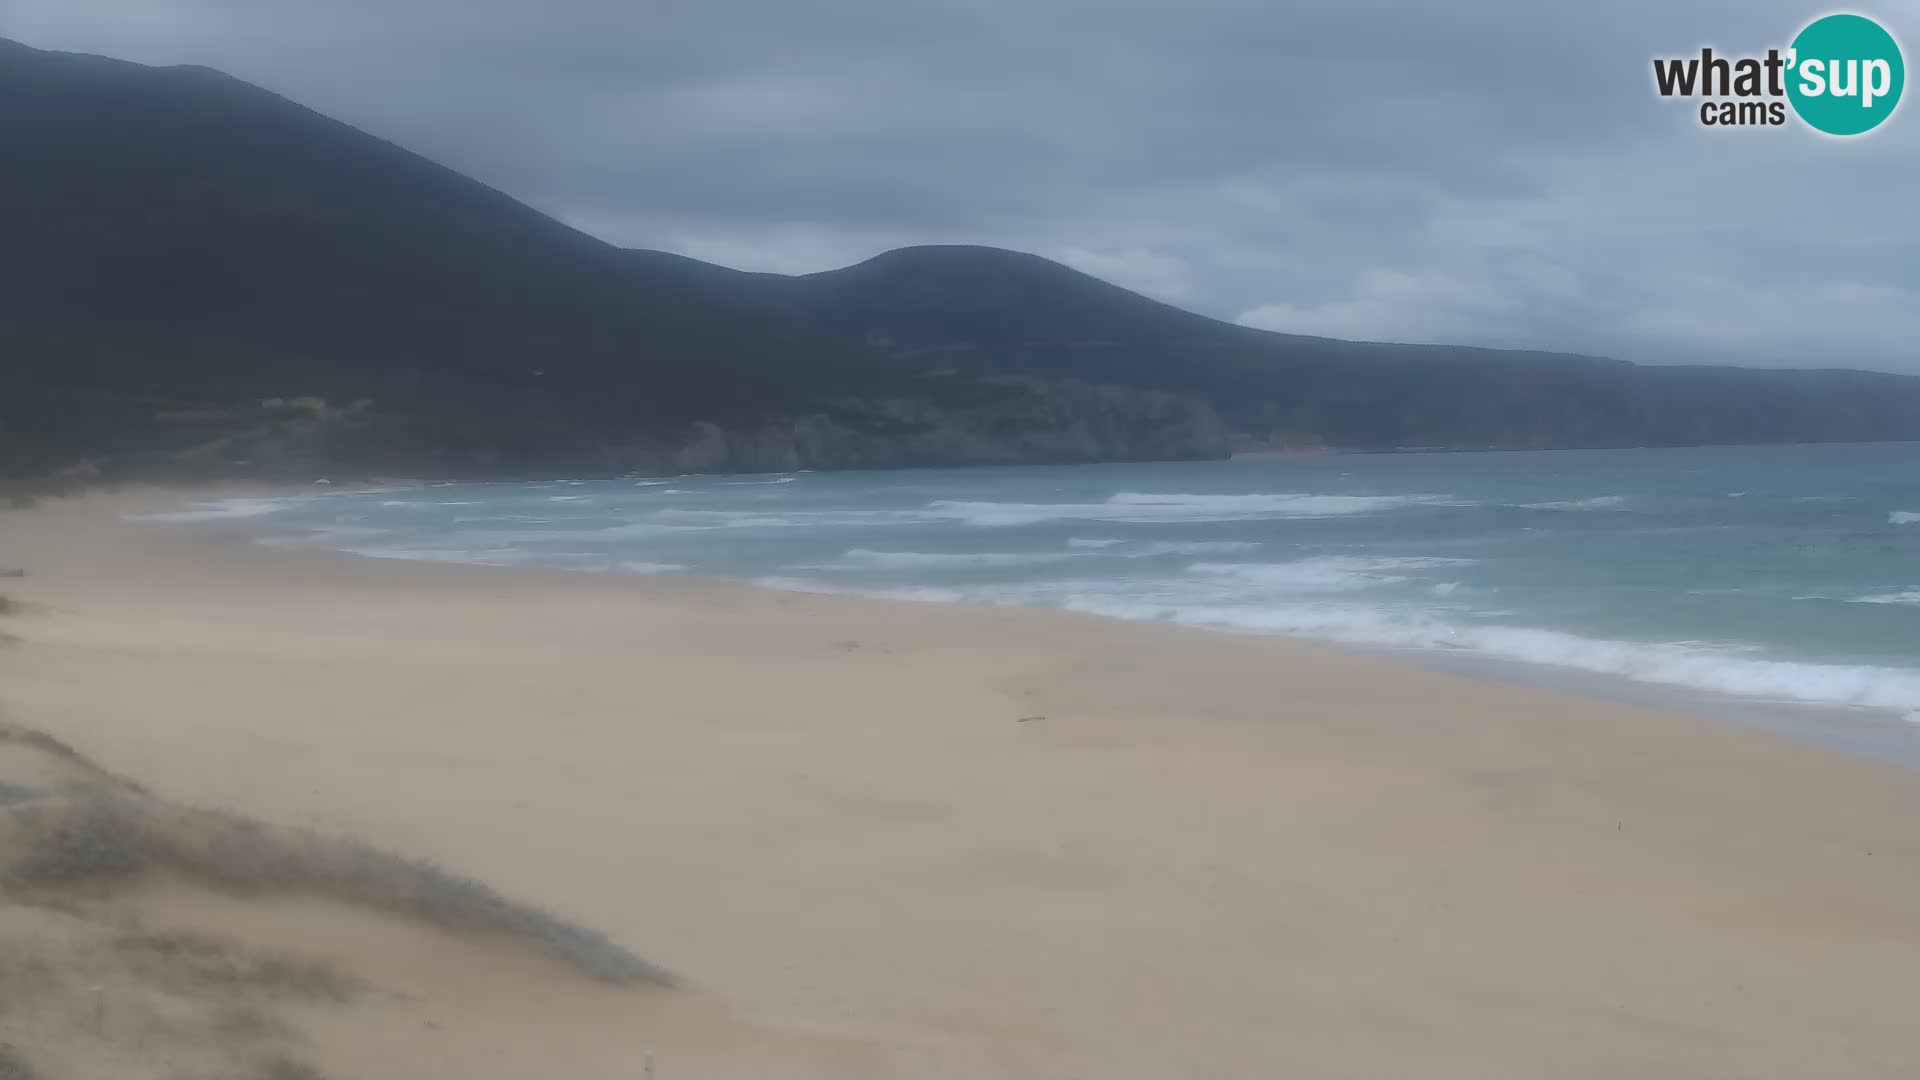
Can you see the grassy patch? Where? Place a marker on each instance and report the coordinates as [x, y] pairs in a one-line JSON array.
[[107, 837], [247, 1024], [282, 1067], [196, 963], [46, 744], [13, 1066], [72, 850], [115, 831], [25, 973], [14, 793]]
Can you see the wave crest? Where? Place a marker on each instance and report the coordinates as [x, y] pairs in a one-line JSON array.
[[1333, 573], [1693, 665], [1147, 508]]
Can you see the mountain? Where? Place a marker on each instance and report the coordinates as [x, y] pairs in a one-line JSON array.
[[199, 275]]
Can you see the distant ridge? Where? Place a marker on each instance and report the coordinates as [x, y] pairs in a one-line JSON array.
[[182, 247]]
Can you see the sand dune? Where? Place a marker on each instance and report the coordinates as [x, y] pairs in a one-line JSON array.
[[837, 822], [141, 937]]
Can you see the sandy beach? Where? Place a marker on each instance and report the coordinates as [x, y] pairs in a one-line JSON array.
[[896, 839]]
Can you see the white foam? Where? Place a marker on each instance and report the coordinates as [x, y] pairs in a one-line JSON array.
[[869, 559], [1694, 665], [1286, 503], [919, 593], [324, 536], [1152, 548], [1598, 502], [1192, 547], [760, 519], [758, 483], [1139, 507], [1334, 573], [464, 556], [416, 504], [1346, 597], [707, 519], [223, 509]]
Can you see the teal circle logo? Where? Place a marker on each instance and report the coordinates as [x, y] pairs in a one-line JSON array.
[[1845, 74]]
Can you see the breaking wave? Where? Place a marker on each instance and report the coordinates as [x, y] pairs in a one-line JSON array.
[[1147, 508], [868, 559], [1329, 574], [1598, 502], [1693, 665], [1888, 598], [221, 509]]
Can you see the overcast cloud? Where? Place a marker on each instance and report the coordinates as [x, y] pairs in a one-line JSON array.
[[1499, 173]]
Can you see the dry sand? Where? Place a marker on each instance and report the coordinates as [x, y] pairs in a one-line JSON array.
[[899, 839]]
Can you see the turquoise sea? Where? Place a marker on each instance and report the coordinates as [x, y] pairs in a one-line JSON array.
[[1761, 575]]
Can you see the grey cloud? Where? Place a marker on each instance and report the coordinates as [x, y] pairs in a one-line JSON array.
[[1501, 174]]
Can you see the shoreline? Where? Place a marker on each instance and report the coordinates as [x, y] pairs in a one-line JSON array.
[[940, 839], [1889, 735]]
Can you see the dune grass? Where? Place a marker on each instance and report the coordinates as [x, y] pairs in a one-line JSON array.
[[74, 760], [13, 1066], [282, 1067], [10, 607], [13, 793], [111, 831], [197, 961]]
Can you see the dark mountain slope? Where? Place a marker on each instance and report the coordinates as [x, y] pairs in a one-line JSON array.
[[182, 247], [179, 238], [982, 309]]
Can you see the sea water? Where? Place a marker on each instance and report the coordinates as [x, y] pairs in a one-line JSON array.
[[1779, 574]]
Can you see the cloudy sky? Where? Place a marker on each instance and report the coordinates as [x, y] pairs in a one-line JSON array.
[[1497, 173]]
